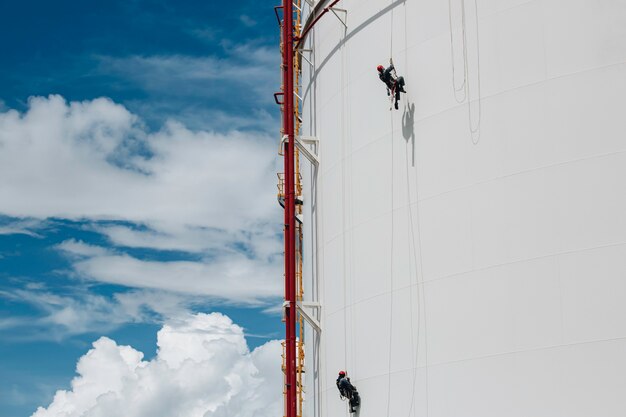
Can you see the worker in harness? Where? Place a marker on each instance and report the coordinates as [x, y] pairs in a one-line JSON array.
[[395, 84], [347, 390]]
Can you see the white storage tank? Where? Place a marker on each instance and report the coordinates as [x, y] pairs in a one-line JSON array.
[[468, 249]]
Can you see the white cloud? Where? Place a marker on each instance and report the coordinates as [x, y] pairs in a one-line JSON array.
[[80, 250], [27, 227], [203, 368], [72, 311], [212, 194], [259, 242], [230, 276], [81, 312], [85, 160]]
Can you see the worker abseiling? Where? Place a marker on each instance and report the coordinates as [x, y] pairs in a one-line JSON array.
[[347, 390], [395, 84]]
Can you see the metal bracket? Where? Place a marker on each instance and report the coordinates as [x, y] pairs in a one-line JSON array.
[[280, 21], [310, 304], [276, 95], [311, 320], [285, 307], [309, 140], [305, 58], [344, 11], [300, 142]]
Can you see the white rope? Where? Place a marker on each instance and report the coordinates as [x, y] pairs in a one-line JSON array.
[[343, 213], [346, 114], [461, 88], [392, 98], [418, 247], [411, 241], [391, 282], [475, 131], [465, 86], [391, 35], [418, 272], [406, 59]]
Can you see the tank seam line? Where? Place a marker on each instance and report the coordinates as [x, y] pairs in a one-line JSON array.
[[521, 172]]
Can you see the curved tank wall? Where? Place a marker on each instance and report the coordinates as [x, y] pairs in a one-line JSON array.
[[469, 248]]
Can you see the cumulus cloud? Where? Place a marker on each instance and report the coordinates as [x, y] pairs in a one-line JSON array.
[[209, 194], [203, 368], [94, 159], [191, 191]]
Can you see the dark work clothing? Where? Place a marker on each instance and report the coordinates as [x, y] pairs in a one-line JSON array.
[[386, 77], [344, 385], [389, 78], [395, 85], [347, 390]]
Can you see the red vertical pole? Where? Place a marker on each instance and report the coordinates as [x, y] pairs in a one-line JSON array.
[[290, 214]]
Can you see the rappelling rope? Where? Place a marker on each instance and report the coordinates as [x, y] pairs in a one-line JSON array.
[[348, 131], [343, 212], [475, 131], [391, 34], [411, 241], [392, 234], [391, 280], [461, 88], [391, 97], [417, 248], [465, 86], [418, 273], [406, 49]]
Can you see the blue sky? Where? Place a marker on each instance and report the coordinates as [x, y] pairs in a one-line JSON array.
[[137, 166]]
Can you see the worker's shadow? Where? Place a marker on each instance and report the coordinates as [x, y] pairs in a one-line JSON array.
[[408, 127]]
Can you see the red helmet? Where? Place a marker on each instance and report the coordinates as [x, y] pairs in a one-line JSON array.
[[342, 373], [380, 68]]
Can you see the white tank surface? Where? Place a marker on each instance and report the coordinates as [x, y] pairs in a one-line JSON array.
[[470, 247]]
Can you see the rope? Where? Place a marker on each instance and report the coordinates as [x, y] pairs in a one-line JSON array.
[[322, 269], [406, 59], [391, 35], [417, 247], [473, 130], [465, 86], [418, 272], [348, 124], [343, 214], [347, 214], [462, 86], [411, 241], [391, 282]]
